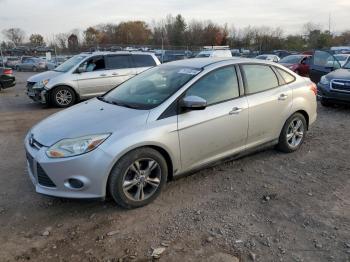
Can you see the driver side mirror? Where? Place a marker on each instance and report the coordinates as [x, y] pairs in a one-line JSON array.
[[193, 103]]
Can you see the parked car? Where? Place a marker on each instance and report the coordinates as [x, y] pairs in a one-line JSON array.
[[7, 79], [87, 75], [165, 122], [334, 88], [33, 64], [342, 58], [12, 62], [215, 52], [322, 63], [267, 57], [297, 63]]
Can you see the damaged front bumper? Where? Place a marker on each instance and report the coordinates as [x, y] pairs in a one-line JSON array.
[[37, 94]]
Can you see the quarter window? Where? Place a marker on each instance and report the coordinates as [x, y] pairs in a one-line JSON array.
[[217, 86], [259, 78], [288, 78], [118, 61]]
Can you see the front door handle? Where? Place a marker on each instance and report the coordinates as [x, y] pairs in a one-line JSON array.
[[282, 97], [114, 74], [235, 111], [103, 74]]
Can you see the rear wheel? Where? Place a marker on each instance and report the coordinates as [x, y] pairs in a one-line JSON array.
[[138, 178], [63, 96], [293, 133], [18, 68], [34, 69]]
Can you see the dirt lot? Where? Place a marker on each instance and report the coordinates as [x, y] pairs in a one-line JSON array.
[[265, 207]]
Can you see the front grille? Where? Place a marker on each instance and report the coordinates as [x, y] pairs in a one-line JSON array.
[[30, 162], [43, 178], [340, 86]]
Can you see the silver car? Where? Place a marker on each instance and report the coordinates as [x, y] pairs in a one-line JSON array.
[[167, 121], [87, 75]]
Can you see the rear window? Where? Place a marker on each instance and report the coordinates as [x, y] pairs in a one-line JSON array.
[[143, 61], [118, 61], [288, 78]]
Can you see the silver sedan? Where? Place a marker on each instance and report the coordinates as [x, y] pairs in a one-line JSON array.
[[167, 121]]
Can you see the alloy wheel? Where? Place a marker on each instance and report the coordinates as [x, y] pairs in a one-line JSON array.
[[64, 97], [295, 132], [141, 179]]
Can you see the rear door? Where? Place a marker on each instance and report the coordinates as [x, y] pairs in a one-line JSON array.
[[269, 101], [120, 68], [321, 64]]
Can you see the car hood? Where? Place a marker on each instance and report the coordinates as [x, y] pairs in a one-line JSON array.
[[339, 74], [43, 76], [88, 118]]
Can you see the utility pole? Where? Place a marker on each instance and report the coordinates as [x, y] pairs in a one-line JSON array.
[[329, 23], [2, 58]]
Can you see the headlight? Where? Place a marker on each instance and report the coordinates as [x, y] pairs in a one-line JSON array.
[[76, 146], [324, 81], [41, 84]]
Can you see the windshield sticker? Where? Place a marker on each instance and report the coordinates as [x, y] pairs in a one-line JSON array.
[[188, 71]]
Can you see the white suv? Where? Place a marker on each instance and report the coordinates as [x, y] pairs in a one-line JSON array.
[[87, 75]]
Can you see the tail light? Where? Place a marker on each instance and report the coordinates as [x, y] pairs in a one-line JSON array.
[[7, 72], [313, 88]]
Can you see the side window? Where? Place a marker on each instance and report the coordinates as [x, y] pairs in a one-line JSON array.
[[259, 78], [118, 61], [288, 78], [217, 86], [143, 60], [94, 64]]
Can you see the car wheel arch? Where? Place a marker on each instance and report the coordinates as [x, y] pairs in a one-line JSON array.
[[77, 95], [158, 148], [305, 115]]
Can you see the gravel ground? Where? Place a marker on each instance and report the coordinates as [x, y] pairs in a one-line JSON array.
[[267, 206]]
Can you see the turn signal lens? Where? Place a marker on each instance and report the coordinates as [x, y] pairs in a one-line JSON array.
[[313, 88]]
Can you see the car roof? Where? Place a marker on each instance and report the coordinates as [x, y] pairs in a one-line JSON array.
[[204, 62], [116, 53]]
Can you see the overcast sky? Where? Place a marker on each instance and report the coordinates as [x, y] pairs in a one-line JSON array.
[[48, 17]]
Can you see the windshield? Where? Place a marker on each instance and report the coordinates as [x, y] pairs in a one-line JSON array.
[[70, 63], [152, 87], [292, 59]]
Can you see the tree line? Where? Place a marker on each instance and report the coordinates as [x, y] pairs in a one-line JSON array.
[[176, 32]]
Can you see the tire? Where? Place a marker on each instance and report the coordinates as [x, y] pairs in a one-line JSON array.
[[149, 183], [18, 69], [326, 103], [63, 96], [34, 69], [293, 134]]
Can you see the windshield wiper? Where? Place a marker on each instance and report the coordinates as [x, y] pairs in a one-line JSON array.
[[124, 105]]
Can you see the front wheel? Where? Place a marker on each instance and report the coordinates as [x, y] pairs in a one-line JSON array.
[[63, 96], [293, 133], [138, 178]]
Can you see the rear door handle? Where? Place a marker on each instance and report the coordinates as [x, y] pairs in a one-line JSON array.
[[235, 111], [282, 97], [114, 74], [103, 75]]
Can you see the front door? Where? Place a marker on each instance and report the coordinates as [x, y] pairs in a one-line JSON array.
[[93, 79], [221, 128], [321, 64]]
